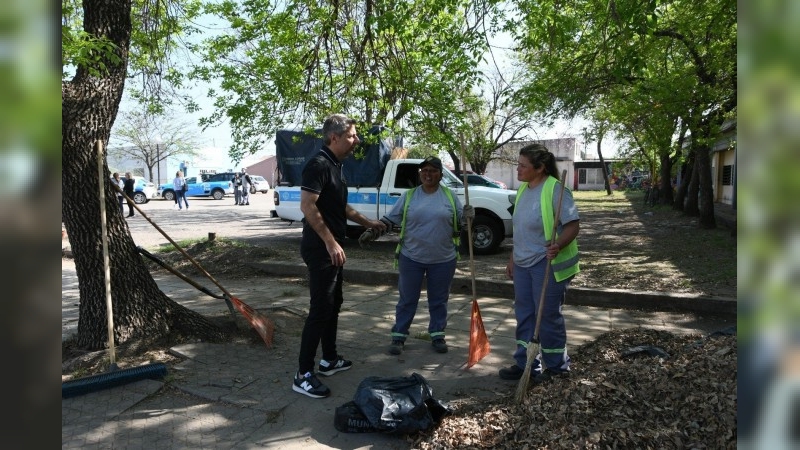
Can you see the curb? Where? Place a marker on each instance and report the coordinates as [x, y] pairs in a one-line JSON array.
[[580, 296]]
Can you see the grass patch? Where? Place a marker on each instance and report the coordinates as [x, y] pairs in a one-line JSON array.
[[219, 244], [600, 200]]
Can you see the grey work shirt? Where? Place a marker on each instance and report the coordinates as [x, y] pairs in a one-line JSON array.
[[429, 225]]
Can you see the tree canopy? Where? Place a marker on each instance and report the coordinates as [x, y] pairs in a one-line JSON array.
[[153, 137], [295, 62], [655, 63]]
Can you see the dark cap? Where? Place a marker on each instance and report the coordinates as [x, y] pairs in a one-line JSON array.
[[431, 161]]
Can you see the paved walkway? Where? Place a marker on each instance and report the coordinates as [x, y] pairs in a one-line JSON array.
[[240, 396]]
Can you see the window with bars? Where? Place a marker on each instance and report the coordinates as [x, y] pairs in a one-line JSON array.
[[727, 175]]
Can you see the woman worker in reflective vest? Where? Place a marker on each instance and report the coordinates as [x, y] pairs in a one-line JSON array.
[[533, 219]]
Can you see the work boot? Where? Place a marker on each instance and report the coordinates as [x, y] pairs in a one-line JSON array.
[[439, 345], [396, 347]]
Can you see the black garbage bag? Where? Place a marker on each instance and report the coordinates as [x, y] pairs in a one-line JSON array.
[[399, 404], [349, 419]]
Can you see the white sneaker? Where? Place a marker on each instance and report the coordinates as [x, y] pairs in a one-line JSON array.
[[309, 385]]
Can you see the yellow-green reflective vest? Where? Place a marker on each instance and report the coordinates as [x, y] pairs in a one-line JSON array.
[[565, 264]]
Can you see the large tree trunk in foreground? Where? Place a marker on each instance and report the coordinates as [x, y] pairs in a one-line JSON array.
[[89, 105]]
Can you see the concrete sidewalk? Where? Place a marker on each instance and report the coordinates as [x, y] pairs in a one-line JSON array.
[[240, 396]]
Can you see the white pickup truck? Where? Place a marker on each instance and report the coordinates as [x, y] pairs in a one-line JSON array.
[[493, 206]]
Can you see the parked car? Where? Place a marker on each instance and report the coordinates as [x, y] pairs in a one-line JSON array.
[[262, 185], [144, 190], [217, 186], [502, 185], [473, 179]]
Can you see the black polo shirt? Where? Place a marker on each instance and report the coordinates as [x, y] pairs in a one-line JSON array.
[[322, 175]]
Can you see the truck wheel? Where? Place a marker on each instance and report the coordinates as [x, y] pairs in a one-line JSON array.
[[218, 194], [487, 235]]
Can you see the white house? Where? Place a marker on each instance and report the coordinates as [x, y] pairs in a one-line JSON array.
[[505, 169]]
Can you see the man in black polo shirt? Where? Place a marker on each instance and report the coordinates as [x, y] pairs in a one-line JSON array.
[[323, 200]]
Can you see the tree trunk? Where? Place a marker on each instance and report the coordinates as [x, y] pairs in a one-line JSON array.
[[603, 166], [686, 177], [665, 176], [706, 207], [89, 106], [692, 193], [704, 192]]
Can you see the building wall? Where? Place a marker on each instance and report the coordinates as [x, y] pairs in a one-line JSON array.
[[564, 149], [723, 165], [137, 168], [266, 168]]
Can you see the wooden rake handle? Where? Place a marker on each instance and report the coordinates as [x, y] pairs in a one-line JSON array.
[[175, 244], [549, 263]]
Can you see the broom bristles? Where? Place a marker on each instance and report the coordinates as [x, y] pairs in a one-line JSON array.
[[522, 387]]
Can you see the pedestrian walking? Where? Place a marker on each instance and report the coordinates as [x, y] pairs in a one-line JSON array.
[[180, 187], [534, 221], [246, 183], [323, 200]]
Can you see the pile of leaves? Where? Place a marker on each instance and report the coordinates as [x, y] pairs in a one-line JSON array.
[[635, 388]]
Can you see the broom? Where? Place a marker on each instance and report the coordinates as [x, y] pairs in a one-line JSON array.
[[261, 323], [478, 341], [533, 345]]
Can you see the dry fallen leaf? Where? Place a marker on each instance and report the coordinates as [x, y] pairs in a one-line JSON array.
[[685, 401]]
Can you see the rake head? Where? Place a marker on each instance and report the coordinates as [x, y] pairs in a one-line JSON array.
[[261, 323]]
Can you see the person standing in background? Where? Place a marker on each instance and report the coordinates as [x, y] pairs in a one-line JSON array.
[[246, 183], [323, 201], [130, 186], [180, 187], [120, 198], [534, 219], [237, 187], [184, 168]]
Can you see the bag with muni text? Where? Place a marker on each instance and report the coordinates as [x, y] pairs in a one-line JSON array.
[[399, 404]]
